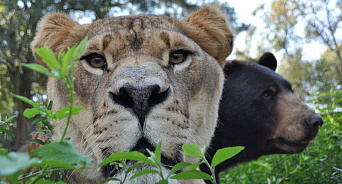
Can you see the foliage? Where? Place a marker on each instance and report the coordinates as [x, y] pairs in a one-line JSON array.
[[289, 28], [323, 21], [154, 160], [62, 155], [5, 125]]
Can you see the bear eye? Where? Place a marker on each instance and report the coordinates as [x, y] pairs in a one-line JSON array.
[[96, 60], [178, 56], [268, 93]]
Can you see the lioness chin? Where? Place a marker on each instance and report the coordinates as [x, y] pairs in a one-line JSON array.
[[142, 79]]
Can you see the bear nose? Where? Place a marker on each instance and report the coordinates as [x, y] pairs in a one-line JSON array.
[[313, 122], [140, 99]]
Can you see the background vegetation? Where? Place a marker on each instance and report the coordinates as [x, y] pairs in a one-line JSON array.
[[289, 25], [316, 81]]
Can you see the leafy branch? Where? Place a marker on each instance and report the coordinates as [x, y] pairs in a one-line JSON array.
[[4, 125], [154, 160], [62, 155]]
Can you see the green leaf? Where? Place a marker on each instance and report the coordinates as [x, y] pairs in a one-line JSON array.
[[3, 152], [60, 164], [110, 179], [193, 150], [143, 172], [48, 57], [195, 165], [39, 68], [44, 182], [7, 132], [41, 181], [37, 120], [9, 119], [162, 182], [65, 112], [80, 49], [72, 65], [157, 153], [13, 179], [60, 56], [66, 59], [203, 149], [178, 167], [15, 162], [45, 111], [50, 105], [224, 154], [61, 151], [29, 113], [24, 99], [134, 155], [36, 141], [48, 124], [133, 167], [192, 174]]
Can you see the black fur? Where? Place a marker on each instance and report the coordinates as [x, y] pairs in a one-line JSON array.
[[246, 118]]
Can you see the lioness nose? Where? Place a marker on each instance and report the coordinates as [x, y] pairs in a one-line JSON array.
[[313, 122], [140, 99]]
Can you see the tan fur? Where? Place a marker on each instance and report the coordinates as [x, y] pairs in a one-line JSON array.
[[33, 146], [137, 51], [291, 126], [212, 32]]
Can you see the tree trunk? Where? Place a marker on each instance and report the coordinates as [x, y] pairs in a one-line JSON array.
[[24, 126]]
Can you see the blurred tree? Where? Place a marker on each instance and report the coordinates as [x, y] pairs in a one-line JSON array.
[[323, 20], [289, 25], [18, 23]]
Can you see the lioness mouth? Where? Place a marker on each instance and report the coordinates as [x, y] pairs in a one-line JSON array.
[[142, 146]]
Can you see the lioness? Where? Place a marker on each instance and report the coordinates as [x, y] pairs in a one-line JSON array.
[[142, 79]]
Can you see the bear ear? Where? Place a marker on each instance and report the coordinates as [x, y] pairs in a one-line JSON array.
[[268, 60], [57, 31], [209, 27], [230, 65]]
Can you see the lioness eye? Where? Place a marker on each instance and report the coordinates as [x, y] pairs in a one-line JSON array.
[[96, 60], [178, 56]]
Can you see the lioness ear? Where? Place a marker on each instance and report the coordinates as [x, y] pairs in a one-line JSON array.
[[211, 30], [57, 31]]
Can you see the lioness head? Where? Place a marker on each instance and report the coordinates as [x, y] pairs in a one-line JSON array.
[[142, 79]]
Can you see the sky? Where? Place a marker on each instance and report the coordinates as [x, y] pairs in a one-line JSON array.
[[244, 11]]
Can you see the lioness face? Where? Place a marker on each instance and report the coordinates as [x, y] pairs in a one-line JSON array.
[[142, 79]]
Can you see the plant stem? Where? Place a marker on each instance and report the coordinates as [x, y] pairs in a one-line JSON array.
[[124, 168], [42, 173], [212, 170], [160, 171], [70, 87]]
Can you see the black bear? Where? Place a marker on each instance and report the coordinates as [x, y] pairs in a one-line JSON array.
[[260, 111]]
